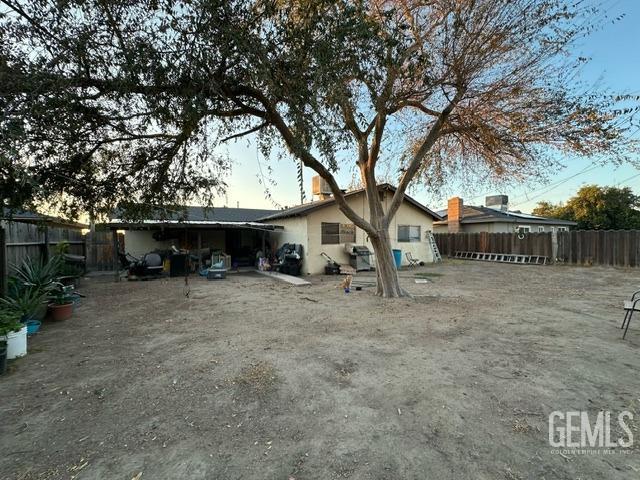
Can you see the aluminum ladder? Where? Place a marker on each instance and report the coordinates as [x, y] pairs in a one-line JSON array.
[[434, 248]]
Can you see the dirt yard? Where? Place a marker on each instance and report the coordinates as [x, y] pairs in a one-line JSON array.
[[249, 378]]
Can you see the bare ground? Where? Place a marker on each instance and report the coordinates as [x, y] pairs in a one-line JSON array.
[[249, 378]]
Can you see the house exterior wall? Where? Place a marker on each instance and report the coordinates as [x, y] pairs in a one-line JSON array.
[[307, 231], [139, 242], [295, 231]]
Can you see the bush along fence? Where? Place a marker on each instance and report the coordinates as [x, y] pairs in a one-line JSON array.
[[620, 248]]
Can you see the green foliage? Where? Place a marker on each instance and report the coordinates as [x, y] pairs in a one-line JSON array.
[[61, 248], [9, 322], [25, 302], [597, 208], [61, 294], [128, 103], [36, 274]]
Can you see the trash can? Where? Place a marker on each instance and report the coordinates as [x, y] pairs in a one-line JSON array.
[[397, 255]]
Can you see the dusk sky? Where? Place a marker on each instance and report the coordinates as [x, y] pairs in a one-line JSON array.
[[615, 53]]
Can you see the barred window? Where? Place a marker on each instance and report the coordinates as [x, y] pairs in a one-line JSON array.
[[335, 233]]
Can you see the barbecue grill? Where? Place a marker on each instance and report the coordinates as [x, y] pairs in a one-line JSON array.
[[359, 257]]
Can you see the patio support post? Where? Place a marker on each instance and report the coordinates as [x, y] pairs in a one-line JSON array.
[[199, 251], [116, 261]]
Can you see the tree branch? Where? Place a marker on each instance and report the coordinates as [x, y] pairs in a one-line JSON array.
[[428, 142]]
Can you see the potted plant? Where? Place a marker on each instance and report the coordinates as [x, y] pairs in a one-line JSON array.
[[61, 306], [14, 333], [27, 303]]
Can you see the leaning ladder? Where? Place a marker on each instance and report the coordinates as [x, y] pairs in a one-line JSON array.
[[434, 247]]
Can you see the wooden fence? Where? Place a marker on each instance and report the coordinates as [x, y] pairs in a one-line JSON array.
[[619, 248], [19, 240]]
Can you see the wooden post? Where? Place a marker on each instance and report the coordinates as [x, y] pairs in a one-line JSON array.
[[116, 260], [45, 249], [554, 245], [199, 251], [3, 263]]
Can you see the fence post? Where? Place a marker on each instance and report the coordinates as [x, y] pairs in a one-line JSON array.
[[116, 260], [3, 262], [554, 245]]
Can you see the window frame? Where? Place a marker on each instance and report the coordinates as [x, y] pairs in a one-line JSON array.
[[521, 229], [540, 228], [410, 239], [340, 237]]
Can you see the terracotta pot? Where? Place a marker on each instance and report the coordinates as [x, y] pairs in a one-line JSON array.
[[60, 312]]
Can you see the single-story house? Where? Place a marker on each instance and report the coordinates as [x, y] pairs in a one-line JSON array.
[[318, 226], [494, 217], [321, 227]]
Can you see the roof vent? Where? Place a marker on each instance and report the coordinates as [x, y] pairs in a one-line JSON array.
[[497, 202]]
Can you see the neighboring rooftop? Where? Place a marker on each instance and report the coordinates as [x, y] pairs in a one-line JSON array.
[[305, 209], [498, 212], [26, 216]]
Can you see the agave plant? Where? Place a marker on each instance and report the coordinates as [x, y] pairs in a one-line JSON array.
[[36, 274], [26, 302]]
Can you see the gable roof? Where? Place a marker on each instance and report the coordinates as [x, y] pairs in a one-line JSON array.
[[305, 209], [474, 214]]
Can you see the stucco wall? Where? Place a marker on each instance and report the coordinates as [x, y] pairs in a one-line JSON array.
[[307, 231], [139, 242]]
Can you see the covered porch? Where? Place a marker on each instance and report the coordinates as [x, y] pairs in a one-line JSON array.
[[205, 242]]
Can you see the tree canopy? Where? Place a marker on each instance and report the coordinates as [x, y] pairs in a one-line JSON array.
[[597, 208], [127, 102], [114, 101]]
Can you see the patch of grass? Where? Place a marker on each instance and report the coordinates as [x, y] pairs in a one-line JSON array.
[[258, 377]]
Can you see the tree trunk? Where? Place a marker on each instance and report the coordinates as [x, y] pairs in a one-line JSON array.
[[388, 283]]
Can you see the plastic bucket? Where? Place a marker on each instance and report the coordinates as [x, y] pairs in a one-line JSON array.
[[16, 344], [32, 326], [397, 256]]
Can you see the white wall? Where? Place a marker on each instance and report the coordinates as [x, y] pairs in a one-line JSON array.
[[139, 242], [307, 231]]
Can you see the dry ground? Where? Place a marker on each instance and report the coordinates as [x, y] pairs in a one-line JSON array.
[[249, 378]]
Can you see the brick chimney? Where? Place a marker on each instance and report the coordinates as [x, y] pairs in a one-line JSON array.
[[454, 214]]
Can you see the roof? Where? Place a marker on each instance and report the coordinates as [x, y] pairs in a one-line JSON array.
[[202, 214], [26, 216], [305, 209], [474, 214], [124, 224]]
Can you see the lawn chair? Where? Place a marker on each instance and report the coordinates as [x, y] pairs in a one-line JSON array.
[[413, 262], [630, 306]]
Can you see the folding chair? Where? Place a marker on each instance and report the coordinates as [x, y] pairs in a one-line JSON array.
[[630, 306], [413, 262]]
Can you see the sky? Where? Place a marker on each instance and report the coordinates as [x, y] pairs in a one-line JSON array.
[[615, 64]]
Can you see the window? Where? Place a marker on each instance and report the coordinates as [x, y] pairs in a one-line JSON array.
[[523, 229], [409, 233], [540, 228], [335, 233], [563, 229]]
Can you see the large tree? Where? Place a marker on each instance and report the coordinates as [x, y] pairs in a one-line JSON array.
[[126, 101], [597, 208]]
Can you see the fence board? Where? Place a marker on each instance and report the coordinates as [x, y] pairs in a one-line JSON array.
[[620, 248]]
